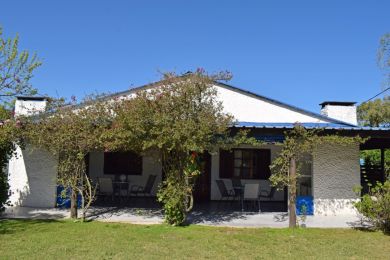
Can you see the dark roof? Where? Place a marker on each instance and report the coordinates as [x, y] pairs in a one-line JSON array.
[[337, 103], [31, 98]]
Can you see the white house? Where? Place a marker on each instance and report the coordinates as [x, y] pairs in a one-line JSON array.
[[328, 176]]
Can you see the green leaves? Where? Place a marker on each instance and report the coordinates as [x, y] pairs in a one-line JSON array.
[[9, 137], [16, 68], [70, 132], [375, 206], [179, 116], [299, 143], [375, 113]]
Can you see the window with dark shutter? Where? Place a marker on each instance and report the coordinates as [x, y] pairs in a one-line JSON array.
[[263, 171], [226, 164], [245, 164], [118, 163]]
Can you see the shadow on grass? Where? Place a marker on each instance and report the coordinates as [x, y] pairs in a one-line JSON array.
[[125, 212], [11, 226], [366, 226]]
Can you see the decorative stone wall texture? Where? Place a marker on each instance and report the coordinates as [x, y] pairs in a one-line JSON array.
[[336, 171]]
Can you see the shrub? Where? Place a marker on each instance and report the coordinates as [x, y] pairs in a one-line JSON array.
[[375, 206], [172, 194]]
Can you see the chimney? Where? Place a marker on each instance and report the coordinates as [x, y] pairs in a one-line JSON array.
[[343, 111], [27, 106]]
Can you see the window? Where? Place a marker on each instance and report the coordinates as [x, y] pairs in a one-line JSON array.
[[304, 187], [118, 163], [245, 164]]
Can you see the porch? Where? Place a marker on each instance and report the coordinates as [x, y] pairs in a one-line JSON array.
[[126, 173], [153, 215]]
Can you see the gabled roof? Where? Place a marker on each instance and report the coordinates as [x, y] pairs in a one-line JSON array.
[[244, 92], [282, 104]]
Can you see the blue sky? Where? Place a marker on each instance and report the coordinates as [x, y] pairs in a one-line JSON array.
[[299, 52]]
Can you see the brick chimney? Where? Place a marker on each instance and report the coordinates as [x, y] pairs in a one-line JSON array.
[[343, 111]]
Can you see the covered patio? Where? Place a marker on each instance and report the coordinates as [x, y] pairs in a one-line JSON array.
[[129, 180], [151, 215]]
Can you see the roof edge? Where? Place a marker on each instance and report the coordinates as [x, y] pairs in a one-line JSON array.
[[240, 90], [285, 105]]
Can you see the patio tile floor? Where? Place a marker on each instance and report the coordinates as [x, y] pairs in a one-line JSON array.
[[141, 211]]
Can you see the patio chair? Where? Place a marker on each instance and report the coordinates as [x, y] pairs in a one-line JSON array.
[[225, 193], [146, 190], [105, 187], [268, 194], [251, 193], [237, 187]]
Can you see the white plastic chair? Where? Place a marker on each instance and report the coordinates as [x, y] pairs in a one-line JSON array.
[[251, 193]]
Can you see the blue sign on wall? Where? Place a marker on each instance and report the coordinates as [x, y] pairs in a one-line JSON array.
[[304, 203], [64, 201]]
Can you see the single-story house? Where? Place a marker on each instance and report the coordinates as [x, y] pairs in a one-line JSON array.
[[329, 175]]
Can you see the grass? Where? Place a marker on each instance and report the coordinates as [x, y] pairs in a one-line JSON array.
[[39, 239]]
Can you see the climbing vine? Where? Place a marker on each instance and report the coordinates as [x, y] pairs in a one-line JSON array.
[[300, 142]]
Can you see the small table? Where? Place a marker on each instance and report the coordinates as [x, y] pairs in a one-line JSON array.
[[121, 185]]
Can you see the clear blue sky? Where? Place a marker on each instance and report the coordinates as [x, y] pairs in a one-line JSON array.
[[299, 52]]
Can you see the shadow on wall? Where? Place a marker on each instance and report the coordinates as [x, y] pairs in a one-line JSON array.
[[334, 206], [18, 179], [33, 179], [22, 195], [34, 213]]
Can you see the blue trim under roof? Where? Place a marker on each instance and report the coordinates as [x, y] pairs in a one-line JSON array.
[[328, 126]]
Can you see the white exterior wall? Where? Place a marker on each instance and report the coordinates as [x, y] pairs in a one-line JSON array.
[[29, 107], [246, 108], [264, 184], [335, 172], [32, 178], [150, 166], [343, 113], [335, 169]]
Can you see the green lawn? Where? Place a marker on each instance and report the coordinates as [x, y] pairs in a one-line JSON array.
[[74, 240]]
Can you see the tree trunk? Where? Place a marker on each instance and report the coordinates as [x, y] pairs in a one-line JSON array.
[[292, 194], [73, 204]]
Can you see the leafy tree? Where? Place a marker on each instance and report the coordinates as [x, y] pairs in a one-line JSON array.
[[299, 142], [375, 206], [70, 132], [16, 70], [9, 139], [384, 57], [180, 118], [375, 113]]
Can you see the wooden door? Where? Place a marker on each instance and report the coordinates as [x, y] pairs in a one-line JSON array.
[[202, 187]]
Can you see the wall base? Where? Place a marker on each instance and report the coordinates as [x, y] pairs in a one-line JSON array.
[[333, 207]]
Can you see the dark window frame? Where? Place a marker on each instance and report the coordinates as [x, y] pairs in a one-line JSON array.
[[126, 163], [254, 164]]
